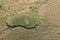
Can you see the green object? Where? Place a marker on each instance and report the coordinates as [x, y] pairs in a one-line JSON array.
[[1, 2], [28, 19]]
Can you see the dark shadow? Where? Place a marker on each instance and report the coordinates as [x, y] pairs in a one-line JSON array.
[[0, 7], [14, 26]]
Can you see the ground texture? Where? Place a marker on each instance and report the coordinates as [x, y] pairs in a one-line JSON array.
[[49, 30]]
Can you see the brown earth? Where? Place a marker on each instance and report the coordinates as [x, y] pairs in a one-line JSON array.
[[50, 12]]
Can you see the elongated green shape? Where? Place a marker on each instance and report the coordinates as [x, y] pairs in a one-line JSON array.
[[28, 19]]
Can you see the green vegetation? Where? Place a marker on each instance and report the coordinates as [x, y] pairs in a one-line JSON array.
[[46, 1], [28, 19], [1, 2]]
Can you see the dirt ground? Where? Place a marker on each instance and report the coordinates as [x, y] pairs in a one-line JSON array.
[[50, 12]]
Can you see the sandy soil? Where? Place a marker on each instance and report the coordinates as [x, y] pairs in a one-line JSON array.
[[50, 12]]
